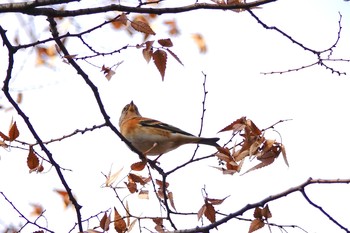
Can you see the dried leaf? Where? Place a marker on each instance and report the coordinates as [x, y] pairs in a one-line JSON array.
[[174, 56], [284, 154], [132, 187], [3, 144], [199, 40], [256, 224], [137, 179], [165, 42], [108, 72], [111, 178], [264, 163], [64, 196], [123, 19], [173, 29], [161, 184], [214, 201], [142, 27], [209, 212], [4, 137], [32, 159], [265, 212], [147, 54], [105, 221], [201, 211], [236, 126], [138, 166], [171, 199], [37, 210], [19, 97], [160, 58], [144, 194], [119, 223], [13, 132]]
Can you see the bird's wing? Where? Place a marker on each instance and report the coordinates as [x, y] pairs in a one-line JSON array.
[[163, 126]]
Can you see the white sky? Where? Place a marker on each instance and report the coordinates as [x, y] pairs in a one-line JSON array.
[[57, 102]]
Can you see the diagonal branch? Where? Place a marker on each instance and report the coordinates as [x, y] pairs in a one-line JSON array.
[[6, 91]]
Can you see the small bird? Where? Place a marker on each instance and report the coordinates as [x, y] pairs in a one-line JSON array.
[[152, 137]]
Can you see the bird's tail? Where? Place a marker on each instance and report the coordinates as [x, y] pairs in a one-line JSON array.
[[209, 141]]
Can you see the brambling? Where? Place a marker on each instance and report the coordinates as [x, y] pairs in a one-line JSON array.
[[152, 137]]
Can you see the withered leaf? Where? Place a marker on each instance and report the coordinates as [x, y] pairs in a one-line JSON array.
[[119, 223], [214, 201], [165, 42], [199, 40], [37, 210], [201, 211], [256, 224], [171, 199], [236, 126], [265, 212], [65, 197], [143, 194], [111, 178], [105, 221], [32, 159], [160, 59], [209, 212], [142, 27], [138, 166], [147, 54], [4, 137], [174, 56], [13, 132]]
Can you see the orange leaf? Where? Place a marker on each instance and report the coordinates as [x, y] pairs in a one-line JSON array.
[[105, 221], [256, 224], [142, 27], [13, 132], [119, 223], [165, 42], [209, 212], [199, 40], [139, 166], [32, 159], [37, 210], [65, 197], [132, 187], [160, 58], [137, 179]]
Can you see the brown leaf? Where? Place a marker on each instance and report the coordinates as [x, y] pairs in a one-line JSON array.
[[137, 179], [165, 42], [266, 212], [201, 211], [256, 224], [147, 54], [142, 27], [264, 163], [236, 126], [132, 187], [123, 19], [160, 184], [171, 199], [209, 212], [105, 221], [174, 56], [138, 166], [19, 97], [214, 201], [13, 132], [32, 159], [64, 196], [160, 58], [4, 137], [119, 223], [3, 144]]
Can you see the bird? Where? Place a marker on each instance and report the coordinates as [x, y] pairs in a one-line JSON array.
[[153, 137]]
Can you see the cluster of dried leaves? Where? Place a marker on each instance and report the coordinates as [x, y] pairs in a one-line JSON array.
[[253, 145]]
